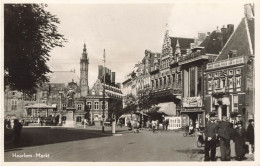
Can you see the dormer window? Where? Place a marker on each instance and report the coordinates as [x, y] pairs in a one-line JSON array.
[[232, 54], [93, 92]]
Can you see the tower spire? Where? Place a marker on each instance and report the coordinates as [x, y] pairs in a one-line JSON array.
[[84, 54]]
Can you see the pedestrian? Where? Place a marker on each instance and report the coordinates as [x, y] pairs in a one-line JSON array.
[[210, 140], [191, 127], [17, 131], [250, 135], [197, 125], [166, 124], [224, 132], [239, 139], [154, 125]]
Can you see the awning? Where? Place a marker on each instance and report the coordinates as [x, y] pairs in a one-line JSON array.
[[168, 108], [40, 105]]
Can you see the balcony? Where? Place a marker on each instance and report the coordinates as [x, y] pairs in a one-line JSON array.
[[224, 63]]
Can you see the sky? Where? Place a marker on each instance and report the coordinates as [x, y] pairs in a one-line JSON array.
[[125, 31]]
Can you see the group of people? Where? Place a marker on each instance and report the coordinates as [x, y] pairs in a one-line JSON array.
[[16, 127], [222, 133], [154, 124]]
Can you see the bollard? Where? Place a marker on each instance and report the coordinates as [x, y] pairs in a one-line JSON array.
[[113, 127], [250, 148]]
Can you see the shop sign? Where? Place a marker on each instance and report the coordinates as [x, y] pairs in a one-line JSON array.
[[192, 102]]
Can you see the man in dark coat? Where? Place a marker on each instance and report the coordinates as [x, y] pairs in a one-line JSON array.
[[250, 134], [166, 124], [224, 132], [210, 140]]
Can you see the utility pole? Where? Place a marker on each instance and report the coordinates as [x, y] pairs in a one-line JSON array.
[[104, 81]]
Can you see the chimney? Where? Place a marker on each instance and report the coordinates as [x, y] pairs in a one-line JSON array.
[[248, 9], [109, 76], [100, 71], [223, 30], [113, 78], [118, 85]]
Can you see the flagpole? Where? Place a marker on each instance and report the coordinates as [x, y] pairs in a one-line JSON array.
[[104, 81]]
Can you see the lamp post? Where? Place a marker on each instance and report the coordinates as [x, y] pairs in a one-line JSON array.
[[103, 115]]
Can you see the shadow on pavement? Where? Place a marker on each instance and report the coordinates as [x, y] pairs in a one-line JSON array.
[[192, 151], [42, 136]]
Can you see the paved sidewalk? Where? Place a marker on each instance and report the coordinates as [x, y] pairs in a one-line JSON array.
[[248, 157]]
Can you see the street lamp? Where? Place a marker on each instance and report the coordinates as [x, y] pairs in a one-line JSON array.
[[103, 116]]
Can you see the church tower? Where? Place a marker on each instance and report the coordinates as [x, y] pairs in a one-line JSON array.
[[84, 73]]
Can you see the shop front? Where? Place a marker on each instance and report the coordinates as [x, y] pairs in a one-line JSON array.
[[192, 112]]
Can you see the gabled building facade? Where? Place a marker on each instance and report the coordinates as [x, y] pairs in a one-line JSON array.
[[193, 66], [230, 78], [166, 76]]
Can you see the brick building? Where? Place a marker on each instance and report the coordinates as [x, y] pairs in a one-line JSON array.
[[230, 78]]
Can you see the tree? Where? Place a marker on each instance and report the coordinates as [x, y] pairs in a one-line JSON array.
[[131, 103], [30, 33], [145, 99]]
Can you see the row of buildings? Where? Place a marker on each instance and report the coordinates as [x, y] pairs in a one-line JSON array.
[[212, 73], [51, 98]]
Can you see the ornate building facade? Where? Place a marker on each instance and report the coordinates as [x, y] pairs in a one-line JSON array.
[[230, 78]]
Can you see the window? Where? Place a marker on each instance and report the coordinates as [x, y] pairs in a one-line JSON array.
[[96, 105], [235, 103], [93, 92], [79, 106], [209, 85], [238, 82], [230, 72], [13, 104], [216, 74], [29, 112], [169, 80], [179, 78], [106, 106], [173, 79], [89, 105], [101, 92], [238, 71], [152, 84], [13, 93], [78, 119], [156, 85], [164, 81], [64, 106]]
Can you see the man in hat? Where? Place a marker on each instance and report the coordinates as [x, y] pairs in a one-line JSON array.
[[250, 135], [210, 139], [224, 132]]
